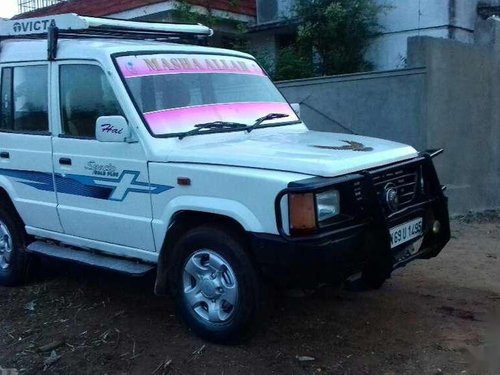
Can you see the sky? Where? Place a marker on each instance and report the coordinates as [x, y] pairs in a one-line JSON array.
[[8, 8]]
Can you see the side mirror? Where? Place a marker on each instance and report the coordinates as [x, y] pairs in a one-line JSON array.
[[296, 108], [112, 129]]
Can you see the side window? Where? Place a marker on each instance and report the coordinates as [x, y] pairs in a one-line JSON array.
[[25, 99], [85, 95]]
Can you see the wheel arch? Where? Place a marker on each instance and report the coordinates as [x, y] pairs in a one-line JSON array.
[[6, 200]]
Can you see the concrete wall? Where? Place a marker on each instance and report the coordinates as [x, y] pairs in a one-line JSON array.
[[453, 19], [381, 104], [453, 103], [488, 33], [462, 115]]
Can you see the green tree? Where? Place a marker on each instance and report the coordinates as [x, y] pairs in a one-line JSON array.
[[338, 32], [291, 65], [184, 13]]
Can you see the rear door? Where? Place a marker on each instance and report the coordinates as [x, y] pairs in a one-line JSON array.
[[25, 144], [103, 188]]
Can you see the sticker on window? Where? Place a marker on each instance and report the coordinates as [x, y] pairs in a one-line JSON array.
[[136, 66]]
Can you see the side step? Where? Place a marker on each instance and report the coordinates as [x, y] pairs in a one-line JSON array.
[[92, 259]]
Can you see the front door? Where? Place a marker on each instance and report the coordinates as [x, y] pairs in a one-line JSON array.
[[103, 189]]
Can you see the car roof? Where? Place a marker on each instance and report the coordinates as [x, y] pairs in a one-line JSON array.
[[25, 50]]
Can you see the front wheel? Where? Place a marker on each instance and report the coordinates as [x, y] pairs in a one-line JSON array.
[[216, 287]]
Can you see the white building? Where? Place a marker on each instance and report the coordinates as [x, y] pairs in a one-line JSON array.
[[451, 19], [273, 25]]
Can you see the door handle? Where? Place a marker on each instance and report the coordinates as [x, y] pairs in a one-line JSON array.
[[65, 161], [4, 155]]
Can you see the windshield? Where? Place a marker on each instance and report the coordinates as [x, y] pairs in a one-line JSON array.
[[175, 92]]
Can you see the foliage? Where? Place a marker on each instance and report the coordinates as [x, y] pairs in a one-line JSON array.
[[332, 37], [184, 13], [338, 31], [240, 42], [290, 65]]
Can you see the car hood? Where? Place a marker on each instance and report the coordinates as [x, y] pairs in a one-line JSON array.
[[307, 152]]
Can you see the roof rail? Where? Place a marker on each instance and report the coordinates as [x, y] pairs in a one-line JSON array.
[[74, 26]]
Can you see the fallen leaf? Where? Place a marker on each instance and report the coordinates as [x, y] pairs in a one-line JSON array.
[[30, 306], [304, 358], [51, 346], [53, 358]]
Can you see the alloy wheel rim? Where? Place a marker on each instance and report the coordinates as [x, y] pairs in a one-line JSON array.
[[210, 286], [5, 246]]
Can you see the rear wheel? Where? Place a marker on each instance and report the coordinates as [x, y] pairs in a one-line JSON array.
[[12, 254], [216, 288]]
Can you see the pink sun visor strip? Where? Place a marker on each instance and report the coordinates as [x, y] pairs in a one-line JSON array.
[[183, 119], [147, 65]]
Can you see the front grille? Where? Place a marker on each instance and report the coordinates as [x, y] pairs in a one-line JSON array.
[[403, 179], [358, 191]]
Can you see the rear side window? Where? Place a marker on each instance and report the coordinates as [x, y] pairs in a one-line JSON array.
[[24, 106], [85, 96]]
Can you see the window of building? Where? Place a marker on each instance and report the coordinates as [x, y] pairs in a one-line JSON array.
[[24, 103], [85, 96]]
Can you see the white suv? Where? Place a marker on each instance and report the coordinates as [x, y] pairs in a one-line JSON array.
[[123, 148]]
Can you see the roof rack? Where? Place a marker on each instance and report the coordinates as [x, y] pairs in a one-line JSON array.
[[74, 26]]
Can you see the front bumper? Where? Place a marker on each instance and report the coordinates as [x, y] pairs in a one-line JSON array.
[[359, 245]]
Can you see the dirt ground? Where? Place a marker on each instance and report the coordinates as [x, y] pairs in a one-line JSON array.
[[432, 317]]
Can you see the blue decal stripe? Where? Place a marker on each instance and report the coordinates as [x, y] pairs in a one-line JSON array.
[[68, 185], [121, 186], [39, 180], [115, 189]]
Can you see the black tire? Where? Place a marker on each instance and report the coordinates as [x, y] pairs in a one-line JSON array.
[[378, 267], [241, 323], [13, 267]]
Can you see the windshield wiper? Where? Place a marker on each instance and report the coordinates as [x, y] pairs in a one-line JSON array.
[[216, 125], [225, 125], [270, 116]]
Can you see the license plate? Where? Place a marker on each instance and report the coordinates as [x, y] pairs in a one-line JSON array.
[[406, 232]]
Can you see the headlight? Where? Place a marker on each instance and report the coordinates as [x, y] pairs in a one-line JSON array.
[[308, 211], [301, 213], [327, 205]]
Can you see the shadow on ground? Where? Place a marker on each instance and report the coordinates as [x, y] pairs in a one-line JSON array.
[[430, 318]]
